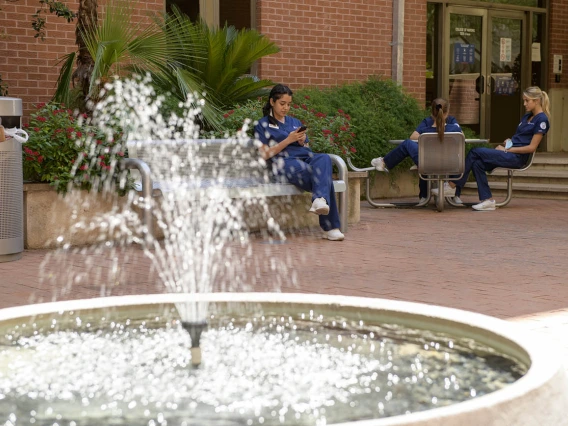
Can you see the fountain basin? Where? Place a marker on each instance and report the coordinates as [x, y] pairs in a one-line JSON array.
[[537, 398]]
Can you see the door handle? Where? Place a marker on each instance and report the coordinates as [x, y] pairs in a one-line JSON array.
[[480, 85]]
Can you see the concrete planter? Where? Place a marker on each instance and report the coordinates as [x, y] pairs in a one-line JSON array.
[[48, 216], [402, 184], [537, 398]]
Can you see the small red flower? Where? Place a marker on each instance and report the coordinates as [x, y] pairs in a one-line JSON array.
[[40, 159], [225, 115], [120, 154], [352, 149], [343, 128], [304, 107], [295, 106], [340, 111], [42, 119], [79, 134], [40, 105], [306, 97], [36, 129], [326, 132], [84, 167]]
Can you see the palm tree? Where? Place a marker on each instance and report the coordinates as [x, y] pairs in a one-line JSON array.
[[86, 21], [223, 72], [183, 57]]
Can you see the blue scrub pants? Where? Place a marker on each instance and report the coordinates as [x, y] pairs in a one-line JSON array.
[[312, 173], [482, 160], [408, 148]]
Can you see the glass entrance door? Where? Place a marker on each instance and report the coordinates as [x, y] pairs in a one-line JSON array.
[[483, 69]]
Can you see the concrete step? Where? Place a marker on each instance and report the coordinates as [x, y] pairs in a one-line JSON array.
[[524, 189], [533, 172]]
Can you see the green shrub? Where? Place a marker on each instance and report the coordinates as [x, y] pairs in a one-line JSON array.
[[379, 109], [65, 151], [328, 133]]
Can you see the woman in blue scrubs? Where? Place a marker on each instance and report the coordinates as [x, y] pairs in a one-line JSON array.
[[532, 128], [285, 147], [439, 122]]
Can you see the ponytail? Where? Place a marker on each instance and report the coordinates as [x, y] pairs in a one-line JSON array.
[[545, 104], [439, 109]]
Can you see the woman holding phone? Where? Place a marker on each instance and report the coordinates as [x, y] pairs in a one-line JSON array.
[[285, 147]]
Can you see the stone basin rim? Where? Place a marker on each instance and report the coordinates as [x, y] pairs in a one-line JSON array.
[[545, 365]]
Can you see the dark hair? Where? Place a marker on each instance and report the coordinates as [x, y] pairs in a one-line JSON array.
[[439, 108], [276, 93]]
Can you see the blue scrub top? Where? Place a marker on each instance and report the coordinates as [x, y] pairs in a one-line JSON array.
[[526, 130], [274, 133], [427, 125]]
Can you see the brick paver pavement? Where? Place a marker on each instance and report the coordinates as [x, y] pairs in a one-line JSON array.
[[507, 263]]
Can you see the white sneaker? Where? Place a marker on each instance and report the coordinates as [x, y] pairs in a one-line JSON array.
[[458, 200], [333, 235], [320, 207], [448, 190], [485, 206], [422, 200], [415, 167], [379, 164]]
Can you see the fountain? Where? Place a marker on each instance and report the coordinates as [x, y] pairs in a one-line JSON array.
[[262, 358]]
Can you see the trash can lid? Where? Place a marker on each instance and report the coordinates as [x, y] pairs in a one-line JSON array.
[[10, 107]]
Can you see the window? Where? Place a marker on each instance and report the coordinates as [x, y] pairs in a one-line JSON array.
[[217, 12]]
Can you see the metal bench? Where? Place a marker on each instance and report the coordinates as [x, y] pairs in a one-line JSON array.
[[510, 173], [233, 168]]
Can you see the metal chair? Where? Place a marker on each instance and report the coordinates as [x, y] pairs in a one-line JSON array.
[[510, 173], [451, 141], [440, 160]]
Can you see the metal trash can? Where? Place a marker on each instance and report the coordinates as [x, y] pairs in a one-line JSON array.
[[11, 184]]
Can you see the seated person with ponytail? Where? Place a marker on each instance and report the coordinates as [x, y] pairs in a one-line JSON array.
[[284, 146], [439, 122], [530, 131]]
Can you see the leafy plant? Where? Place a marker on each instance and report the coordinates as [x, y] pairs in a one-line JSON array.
[[221, 68], [56, 7], [64, 150], [379, 110], [118, 46]]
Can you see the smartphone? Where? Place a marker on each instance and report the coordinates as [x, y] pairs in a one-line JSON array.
[[302, 129]]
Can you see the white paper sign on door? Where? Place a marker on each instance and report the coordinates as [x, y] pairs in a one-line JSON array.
[[505, 49], [536, 52]]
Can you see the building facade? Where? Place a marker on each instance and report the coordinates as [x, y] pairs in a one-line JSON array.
[[478, 54]]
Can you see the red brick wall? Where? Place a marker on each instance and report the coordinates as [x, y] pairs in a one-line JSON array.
[[29, 65], [324, 43], [558, 37]]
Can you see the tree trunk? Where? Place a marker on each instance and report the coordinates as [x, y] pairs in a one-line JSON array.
[[86, 21]]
